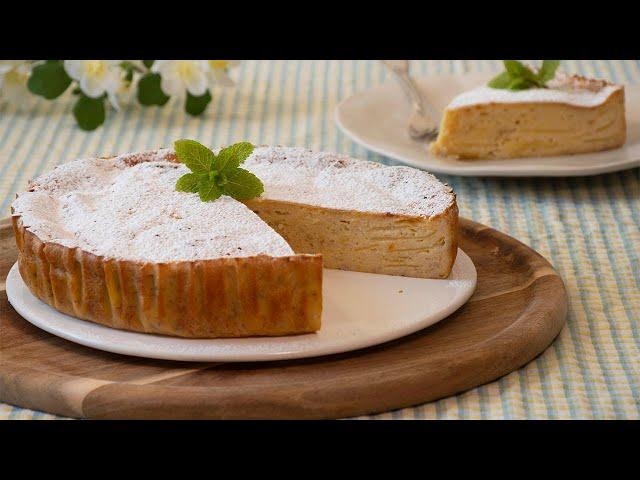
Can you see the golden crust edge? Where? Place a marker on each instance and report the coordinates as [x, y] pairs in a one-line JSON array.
[[222, 297]]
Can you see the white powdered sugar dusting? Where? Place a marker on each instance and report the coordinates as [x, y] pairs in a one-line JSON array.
[[118, 211], [331, 180], [570, 90], [127, 206]]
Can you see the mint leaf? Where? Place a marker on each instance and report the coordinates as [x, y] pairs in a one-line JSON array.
[[500, 81], [188, 183], [519, 84], [231, 157], [149, 91], [209, 190], [531, 77], [519, 70], [196, 105], [49, 80], [194, 155], [216, 175], [548, 70], [242, 184], [515, 68], [89, 112], [518, 76]]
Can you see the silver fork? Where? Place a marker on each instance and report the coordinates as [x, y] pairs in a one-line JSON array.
[[422, 121]]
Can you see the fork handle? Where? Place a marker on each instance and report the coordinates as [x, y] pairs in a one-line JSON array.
[[410, 89]]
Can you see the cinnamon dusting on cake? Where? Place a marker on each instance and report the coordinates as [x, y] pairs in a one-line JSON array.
[[577, 82]]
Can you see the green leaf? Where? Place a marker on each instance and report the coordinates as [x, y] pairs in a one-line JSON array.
[[548, 70], [520, 77], [213, 176], [500, 81], [196, 105], [231, 157], [519, 84], [49, 80], [519, 70], [194, 155], [209, 191], [148, 63], [129, 68], [129, 65], [515, 68], [242, 184], [531, 77], [89, 112], [188, 183], [149, 91]]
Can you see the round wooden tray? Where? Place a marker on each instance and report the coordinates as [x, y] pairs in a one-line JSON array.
[[519, 307]]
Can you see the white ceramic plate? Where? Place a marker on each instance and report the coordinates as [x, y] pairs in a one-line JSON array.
[[376, 118], [360, 310]]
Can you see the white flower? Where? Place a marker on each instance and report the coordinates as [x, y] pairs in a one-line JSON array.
[[97, 77], [180, 75], [220, 71], [13, 78]]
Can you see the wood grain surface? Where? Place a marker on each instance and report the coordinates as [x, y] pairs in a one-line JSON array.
[[518, 308]]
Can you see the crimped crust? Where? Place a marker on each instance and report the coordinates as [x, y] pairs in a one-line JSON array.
[[226, 297], [276, 293]]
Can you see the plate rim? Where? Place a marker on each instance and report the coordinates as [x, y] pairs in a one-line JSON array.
[[478, 170], [14, 282]]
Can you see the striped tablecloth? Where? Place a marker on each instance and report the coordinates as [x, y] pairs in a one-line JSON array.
[[589, 228]]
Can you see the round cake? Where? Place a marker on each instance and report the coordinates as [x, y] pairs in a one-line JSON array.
[[110, 240]]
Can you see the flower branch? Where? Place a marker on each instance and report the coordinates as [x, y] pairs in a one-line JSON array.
[[102, 84]]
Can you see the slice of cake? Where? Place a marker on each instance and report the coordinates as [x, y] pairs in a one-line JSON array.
[[572, 115], [360, 215], [112, 241]]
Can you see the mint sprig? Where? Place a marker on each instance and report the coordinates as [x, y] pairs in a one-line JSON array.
[[517, 76], [215, 175]]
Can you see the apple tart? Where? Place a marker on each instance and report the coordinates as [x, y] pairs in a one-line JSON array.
[[110, 240]]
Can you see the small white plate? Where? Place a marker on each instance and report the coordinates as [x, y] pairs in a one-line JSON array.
[[377, 118], [360, 310]]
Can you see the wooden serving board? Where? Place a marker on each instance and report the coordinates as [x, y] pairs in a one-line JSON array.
[[519, 307]]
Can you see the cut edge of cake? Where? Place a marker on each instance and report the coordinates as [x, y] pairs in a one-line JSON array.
[[383, 243]]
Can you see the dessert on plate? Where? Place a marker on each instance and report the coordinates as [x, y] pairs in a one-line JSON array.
[[359, 215], [113, 241], [566, 114]]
